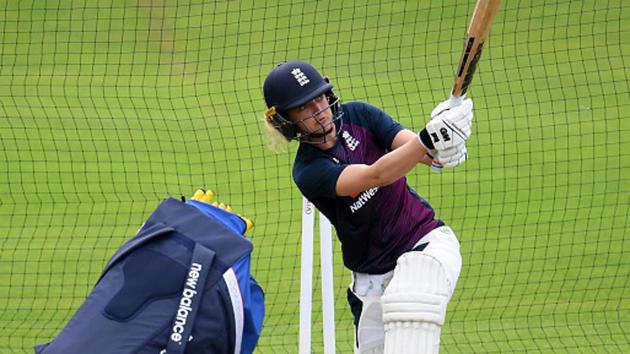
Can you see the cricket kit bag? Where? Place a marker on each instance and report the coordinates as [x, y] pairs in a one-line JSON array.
[[181, 285]]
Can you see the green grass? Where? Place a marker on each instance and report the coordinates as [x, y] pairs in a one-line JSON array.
[[105, 109]]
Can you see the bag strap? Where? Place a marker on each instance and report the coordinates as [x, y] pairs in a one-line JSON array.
[[192, 293]]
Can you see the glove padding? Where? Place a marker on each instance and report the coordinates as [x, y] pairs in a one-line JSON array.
[[449, 157], [207, 196], [450, 125]]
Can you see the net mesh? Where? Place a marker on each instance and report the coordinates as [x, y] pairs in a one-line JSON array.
[[108, 107]]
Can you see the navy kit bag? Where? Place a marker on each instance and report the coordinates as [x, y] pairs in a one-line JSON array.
[[181, 285]]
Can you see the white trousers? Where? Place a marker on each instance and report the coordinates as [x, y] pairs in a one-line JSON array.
[[366, 290]]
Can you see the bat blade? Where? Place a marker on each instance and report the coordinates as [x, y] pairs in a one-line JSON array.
[[480, 24]]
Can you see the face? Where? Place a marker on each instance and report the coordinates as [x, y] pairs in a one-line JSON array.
[[314, 117]]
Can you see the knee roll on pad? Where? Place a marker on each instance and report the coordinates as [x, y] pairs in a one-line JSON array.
[[418, 291], [414, 305]]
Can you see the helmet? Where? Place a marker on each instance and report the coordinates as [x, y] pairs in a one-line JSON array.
[[292, 84]]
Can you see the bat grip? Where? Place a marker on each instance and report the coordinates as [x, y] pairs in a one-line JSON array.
[[436, 167], [455, 101]]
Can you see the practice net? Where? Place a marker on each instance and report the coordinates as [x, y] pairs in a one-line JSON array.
[[108, 107]]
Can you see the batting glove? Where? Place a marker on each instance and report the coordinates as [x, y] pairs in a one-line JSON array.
[[450, 126], [450, 157], [203, 195], [207, 196]]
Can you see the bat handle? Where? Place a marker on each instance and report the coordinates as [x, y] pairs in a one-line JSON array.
[[436, 167], [455, 101]]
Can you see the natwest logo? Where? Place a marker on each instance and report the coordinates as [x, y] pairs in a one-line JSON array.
[[363, 199]]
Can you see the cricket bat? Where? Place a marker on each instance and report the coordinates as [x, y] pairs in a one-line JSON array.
[[478, 30]]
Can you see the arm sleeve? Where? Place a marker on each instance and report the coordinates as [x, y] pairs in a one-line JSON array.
[[318, 177], [382, 125]]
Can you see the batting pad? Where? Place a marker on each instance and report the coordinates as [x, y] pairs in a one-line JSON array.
[[414, 305]]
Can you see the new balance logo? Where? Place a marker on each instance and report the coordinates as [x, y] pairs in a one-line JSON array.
[[186, 303], [300, 76]]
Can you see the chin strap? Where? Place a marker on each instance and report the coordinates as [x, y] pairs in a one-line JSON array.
[[302, 138]]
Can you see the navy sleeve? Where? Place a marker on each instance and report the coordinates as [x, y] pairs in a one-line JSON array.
[[382, 125], [318, 177]]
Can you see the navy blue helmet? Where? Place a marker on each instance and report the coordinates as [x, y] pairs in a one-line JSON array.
[[292, 84]]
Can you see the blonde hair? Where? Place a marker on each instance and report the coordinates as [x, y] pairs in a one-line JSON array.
[[275, 140]]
